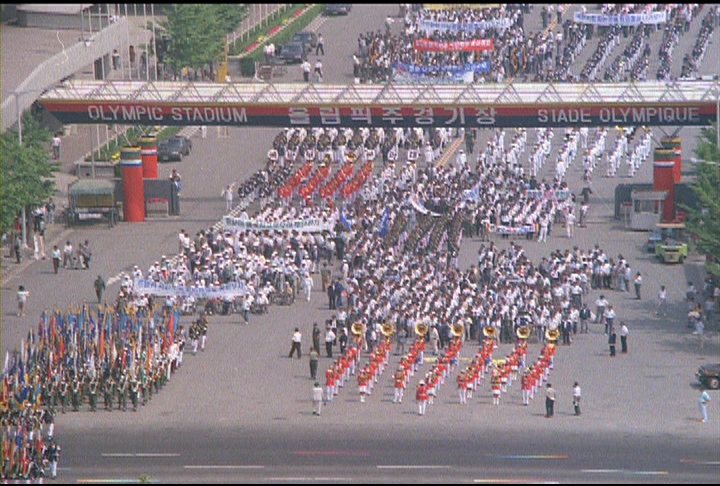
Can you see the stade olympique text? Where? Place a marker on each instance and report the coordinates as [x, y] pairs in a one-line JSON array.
[[502, 116]]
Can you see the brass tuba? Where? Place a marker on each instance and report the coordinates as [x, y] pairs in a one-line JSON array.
[[358, 328], [421, 329], [387, 329], [458, 330], [552, 335], [489, 332], [523, 332]]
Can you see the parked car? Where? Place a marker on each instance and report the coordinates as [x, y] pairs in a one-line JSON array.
[[307, 38], [186, 144], [709, 375], [293, 53], [172, 149], [338, 8]]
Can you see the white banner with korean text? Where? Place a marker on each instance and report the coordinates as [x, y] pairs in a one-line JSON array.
[[308, 225], [161, 289]]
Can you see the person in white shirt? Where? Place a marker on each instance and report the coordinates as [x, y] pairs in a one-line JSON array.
[[319, 71], [638, 285], [306, 68], [308, 285], [577, 393], [662, 301], [570, 223], [22, 298], [296, 340], [227, 194]]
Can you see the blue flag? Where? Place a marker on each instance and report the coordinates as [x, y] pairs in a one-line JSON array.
[[344, 220], [384, 222]]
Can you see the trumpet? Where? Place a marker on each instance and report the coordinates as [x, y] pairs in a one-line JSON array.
[[523, 332], [489, 332], [552, 335], [458, 330]]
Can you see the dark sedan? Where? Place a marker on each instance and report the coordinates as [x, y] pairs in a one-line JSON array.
[[293, 53], [309, 39], [172, 149], [709, 375], [185, 142], [338, 8]]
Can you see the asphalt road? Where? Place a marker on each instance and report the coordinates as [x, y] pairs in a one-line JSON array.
[[412, 450], [241, 411]]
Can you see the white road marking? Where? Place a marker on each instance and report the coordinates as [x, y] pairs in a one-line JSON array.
[[419, 466], [513, 481], [301, 479], [625, 471], [140, 454], [227, 466]]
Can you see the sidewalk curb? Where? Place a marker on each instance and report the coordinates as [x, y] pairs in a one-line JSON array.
[[12, 271]]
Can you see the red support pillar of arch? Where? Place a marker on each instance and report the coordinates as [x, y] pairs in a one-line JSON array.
[[133, 185], [664, 180], [149, 153]]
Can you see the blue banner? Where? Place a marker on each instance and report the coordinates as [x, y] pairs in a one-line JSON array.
[[468, 27], [626, 20], [481, 67]]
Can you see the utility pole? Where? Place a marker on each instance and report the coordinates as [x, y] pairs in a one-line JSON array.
[[20, 139]]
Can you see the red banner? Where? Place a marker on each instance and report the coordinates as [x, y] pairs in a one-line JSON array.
[[427, 45]]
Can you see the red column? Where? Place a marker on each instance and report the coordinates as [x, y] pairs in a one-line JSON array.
[[675, 144], [133, 185], [148, 151], [664, 180]]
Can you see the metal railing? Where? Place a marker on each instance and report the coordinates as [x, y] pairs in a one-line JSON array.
[[59, 67], [258, 16]]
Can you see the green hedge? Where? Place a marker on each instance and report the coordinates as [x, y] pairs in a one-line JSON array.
[[129, 138]]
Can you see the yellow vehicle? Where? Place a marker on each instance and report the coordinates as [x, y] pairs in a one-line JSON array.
[[668, 242]]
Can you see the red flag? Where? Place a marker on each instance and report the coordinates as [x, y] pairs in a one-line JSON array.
[[53, 330], [101, 351]]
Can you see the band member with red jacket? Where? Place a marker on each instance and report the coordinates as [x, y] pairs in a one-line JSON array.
[[462, 387], [363, 379], [399, 380], [421, 396], [329, 384]]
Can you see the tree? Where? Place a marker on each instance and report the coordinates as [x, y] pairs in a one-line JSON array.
[[27, 176], [196, 33], [705, 221]]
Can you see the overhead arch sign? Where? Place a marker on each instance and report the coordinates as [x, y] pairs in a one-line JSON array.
[[469, 107]]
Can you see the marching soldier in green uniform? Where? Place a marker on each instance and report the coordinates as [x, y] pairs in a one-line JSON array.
[[76, 393], [64, 393], [134, 393], [122, 392], [156, 378], [50, 393], [193, 335], [92, 392], [108, 392], [145, 386], [203, 327]]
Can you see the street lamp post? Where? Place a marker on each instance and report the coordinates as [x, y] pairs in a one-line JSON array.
[[20, 139]]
